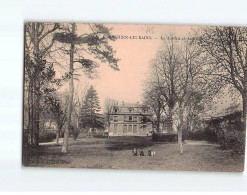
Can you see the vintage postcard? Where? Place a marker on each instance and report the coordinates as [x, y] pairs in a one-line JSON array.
[[134, 96]]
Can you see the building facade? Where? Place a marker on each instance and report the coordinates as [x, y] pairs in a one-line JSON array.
[[130, 120]]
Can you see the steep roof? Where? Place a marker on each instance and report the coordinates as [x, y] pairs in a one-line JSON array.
[[133, 108]]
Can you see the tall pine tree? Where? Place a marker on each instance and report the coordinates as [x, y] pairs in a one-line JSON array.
[[94, 43], [89, 115]]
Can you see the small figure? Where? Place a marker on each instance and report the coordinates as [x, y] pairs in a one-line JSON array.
[[141, 153], [151, 153], [134, 152]]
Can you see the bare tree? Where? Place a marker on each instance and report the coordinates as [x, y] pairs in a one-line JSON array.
[[108, 106], [177, 77], [152, 97], [227, 49]]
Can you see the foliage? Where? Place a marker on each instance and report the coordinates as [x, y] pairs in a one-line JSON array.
[[95, 43], [39, 75], [47, 136], [100, 134], [176, 83], [234, 140], [86, 51], [74, 132], [154, 99], [226, 48], [207, 135], [108, 105], [54, 105], [89, 115], [160, 137]]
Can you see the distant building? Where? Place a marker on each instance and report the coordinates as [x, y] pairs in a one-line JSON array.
[[230, 122], [230, 118], [130, 120]]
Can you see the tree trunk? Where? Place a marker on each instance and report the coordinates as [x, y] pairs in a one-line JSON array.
[[170, 121], [158, 122], [108, 127], [180, 140], [57, 136], [36, 114], [244, 97], [26, 142], [36, 86], [32, 116], [29, 114], [180, 130], [71, 93]]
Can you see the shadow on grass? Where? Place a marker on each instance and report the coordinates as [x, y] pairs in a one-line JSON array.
[[128, 143], [46, 150], [50, 155], [50, 161]]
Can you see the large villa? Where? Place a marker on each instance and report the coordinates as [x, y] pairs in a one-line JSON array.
[[130, 120]]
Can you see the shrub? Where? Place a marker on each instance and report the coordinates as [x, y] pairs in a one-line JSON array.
[[234, 140], [207, 135], [100, 134], [47, 136], [75, 133], [168, 137]]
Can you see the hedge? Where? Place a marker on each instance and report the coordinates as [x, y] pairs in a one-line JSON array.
[[47, 136], [207, 135], [165, 137], [234, 140]]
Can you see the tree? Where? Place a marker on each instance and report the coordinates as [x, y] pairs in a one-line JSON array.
[[195, 106], [55, 106], [95, 44], [39, 74], [155, 101], [89, 115], [177, 75], [227, 50], [108, 106]]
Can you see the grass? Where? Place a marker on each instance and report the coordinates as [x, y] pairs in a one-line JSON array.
[[116, 153]]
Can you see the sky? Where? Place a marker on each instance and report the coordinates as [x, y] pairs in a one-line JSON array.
[[135, 46], [135, 52]]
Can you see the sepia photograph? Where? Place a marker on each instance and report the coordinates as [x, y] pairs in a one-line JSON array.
[[134, 96]]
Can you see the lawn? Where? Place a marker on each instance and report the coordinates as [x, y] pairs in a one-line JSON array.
[[116, 153]]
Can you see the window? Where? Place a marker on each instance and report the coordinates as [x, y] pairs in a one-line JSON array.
[[130, 128], [115, 128], [125, 118], [135, 118], [130, 118], [115, 118], [144, 128], [125, 129], [134, 128], [115, 109], [131, 109], [145, 110]]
